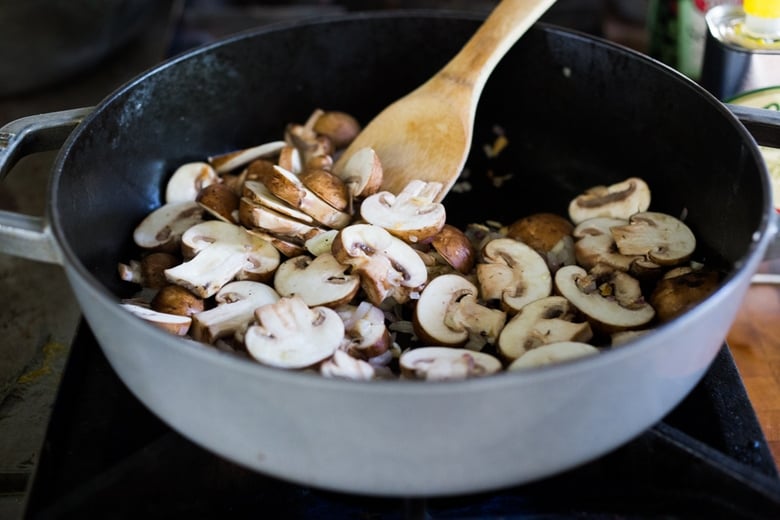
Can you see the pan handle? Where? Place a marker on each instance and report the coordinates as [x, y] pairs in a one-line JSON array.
[[25, 235], [764, 125]]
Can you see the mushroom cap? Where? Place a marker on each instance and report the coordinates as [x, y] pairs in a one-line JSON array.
[[163, 227], [611, 300], [327, 186], [319, 280], [673, 295], [540, 322], [220, 201], [662, 238], [446, 363], [412, 215], [174, 299], [188, 180], [512, 272], [229, 161], [620, 200], [541, 231], [341, 128], [455, 248], [362, 173], [553, 353], [289, 334]]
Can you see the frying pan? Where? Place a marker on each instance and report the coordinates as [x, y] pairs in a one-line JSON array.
[[577, 111]]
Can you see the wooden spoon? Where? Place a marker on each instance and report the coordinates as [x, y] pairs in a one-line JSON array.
[[427, 133]]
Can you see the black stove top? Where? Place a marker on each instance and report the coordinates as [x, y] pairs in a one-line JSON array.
[[106, 456]]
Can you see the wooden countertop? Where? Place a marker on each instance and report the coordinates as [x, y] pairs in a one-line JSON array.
[[754, 340]]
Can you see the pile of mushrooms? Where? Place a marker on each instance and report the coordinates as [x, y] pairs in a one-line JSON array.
[[274, 254]]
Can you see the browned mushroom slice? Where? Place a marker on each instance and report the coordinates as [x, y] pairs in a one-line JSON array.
[[236, 304], [340, 127], [232, 160], [446, 363], [253, 215], [449, 314], [290, 159], [320, 280], [288, 187], [220, 201], [222, 252], [455, 248], [289, 334], [610, 299], [174, 299], [257, 192], [188, 180], [552, 354], [547, 320], [173, 323], [662, 238], [412, 215], [620, 200], [386, 264], [162, 228], [327, 186], [512, 273], [362, 173], [681, 289]]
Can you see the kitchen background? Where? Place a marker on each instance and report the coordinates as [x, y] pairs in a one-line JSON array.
[[61, 55]]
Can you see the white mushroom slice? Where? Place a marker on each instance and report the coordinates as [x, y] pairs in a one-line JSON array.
[[253, 215], [386, 264], [362, 173], [412, 215], [595, 244], [222, 252], [232, 160], [187, 181], [257, 192], [620, 200], [662, 238], [344, 366], [173, 323], [366, 334], [285, 245], [544, 321], [611, 299], [163, 227], [320, 280], [288, 187], [236, 304], [289, 334], [321, 243], [553, 353], [449, 314], [513, 273], [446, 363]]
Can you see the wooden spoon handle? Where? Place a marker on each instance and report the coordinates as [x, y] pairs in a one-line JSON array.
[[508, 21]]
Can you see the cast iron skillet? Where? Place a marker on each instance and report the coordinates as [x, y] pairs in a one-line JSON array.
[[577, 112]]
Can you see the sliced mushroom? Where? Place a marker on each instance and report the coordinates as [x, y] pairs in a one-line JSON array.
[[340, 127], [288, 334], [290, 159], [449, 314], [344, 366], [257, 192], [681, 289], [611, 299], [222, 252], [513, 273], [620, 200], [386, 264], [174, 299], [547, 320], [253, 215], [319, 280], [148, 272], [236, 304], [446, 363], [366, 334], [549, 234], [232, 160], [220, 201], [288, 187], [412, 215], [289, 247], [663, 239], [362, 173], [455, 248], [595, 244], [173, 323], [162, 228], [321, 243], [327, 186], [552, 354], [188, 180]]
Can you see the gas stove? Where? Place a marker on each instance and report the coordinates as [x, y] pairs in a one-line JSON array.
[[103, 453]]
